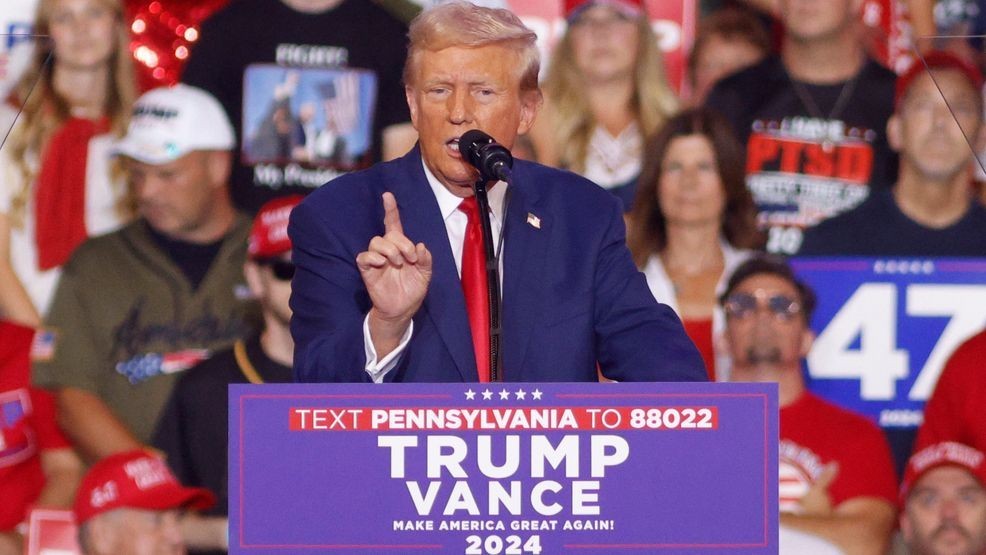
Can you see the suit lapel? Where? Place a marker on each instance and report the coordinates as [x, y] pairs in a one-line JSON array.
[[445, 304], [525, 247]]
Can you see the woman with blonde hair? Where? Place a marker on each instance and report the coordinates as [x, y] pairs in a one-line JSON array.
[[605, 90], [57, 185], [693, 222]]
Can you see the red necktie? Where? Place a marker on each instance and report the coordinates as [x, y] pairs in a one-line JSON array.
[[476, 288]]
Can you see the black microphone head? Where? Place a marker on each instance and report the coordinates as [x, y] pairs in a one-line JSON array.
[[492, 159], [470, 143]]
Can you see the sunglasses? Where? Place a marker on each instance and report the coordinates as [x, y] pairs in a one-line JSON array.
[[283, 270], [743, 305]]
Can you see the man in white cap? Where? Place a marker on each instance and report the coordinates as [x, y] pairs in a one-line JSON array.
[[130, 504], [944, 501], [138, 306]]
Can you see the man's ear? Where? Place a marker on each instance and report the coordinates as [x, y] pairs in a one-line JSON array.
[[807, 340], [251, 271], [530, 105], [220, 165], [979, 142], [906, 530], [894, 132]]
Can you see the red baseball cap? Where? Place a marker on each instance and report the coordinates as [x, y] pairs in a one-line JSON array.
[[269, 235], [940, 60], [138, 480], [630, 8], [947, 453]]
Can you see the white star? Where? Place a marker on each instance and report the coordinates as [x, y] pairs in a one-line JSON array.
[[520, 394], [470, 394], [504, 395], [536, 394], [487, 395]]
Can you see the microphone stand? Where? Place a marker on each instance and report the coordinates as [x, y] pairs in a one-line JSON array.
[[492, 279]]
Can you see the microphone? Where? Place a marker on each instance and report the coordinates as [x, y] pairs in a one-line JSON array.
[[492, 159]]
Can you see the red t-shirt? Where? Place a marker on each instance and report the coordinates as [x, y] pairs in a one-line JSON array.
[[955, 410], [27, 426], [700, 332], [814, 433]]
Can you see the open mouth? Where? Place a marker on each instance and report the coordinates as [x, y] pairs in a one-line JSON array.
[[453, 144]]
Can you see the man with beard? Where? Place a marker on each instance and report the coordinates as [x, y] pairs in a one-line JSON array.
[[944, 501], [192, 431], [837, 481]]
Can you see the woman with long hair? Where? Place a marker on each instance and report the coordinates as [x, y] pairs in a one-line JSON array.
[[604, 91], [693, 222], [57, 182]]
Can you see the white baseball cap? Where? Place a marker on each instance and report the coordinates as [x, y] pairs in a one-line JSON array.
[[169, 122]]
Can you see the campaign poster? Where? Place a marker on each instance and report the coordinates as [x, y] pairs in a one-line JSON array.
[[320, 117], [16, 42], [886, 327], [506, 468]]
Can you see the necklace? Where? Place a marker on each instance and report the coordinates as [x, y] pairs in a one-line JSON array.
[[814, 111], [613, 160], [243, 361]]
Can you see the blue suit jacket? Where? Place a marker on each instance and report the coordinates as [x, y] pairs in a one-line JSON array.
[[572, 296]]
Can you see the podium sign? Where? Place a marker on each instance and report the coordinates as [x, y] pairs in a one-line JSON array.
[[503, 468]]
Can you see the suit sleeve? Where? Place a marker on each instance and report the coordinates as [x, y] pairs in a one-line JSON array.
[[637, 338], [328, 302]]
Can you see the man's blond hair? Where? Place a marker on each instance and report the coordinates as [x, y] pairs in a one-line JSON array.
[[466, 25]]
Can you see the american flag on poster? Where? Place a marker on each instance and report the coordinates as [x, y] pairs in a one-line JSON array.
[[341, 96], [43, 345], [16, 440]]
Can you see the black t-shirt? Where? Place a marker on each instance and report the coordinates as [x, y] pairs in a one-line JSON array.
[[193, 428], [812, 151], [192, 259], [878, 228], [308, 94]]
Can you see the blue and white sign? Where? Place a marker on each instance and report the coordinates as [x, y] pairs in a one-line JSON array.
[[886, 327]]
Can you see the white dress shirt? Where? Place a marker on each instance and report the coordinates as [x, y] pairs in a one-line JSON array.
[[455, 227]]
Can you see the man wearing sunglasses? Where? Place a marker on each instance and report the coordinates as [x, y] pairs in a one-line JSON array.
[[193, 428], [837, 482]]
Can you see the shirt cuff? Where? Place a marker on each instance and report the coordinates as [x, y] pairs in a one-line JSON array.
[[378, 369]]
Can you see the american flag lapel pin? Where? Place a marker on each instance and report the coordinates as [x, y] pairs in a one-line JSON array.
[[533, 221]]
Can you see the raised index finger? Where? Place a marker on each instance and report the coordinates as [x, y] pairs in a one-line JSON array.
[[391, 216]]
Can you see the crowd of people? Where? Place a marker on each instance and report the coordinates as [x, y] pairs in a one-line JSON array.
[[151, 253]]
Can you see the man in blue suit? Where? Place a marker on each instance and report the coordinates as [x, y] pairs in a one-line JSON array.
[[377, 293]]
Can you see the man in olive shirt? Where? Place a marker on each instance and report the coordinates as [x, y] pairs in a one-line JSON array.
[[137, 306]]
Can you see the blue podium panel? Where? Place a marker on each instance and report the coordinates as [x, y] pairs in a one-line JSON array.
[[503, 468], [886, 327]]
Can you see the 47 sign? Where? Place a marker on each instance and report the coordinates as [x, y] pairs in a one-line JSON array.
[[886, 327]]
